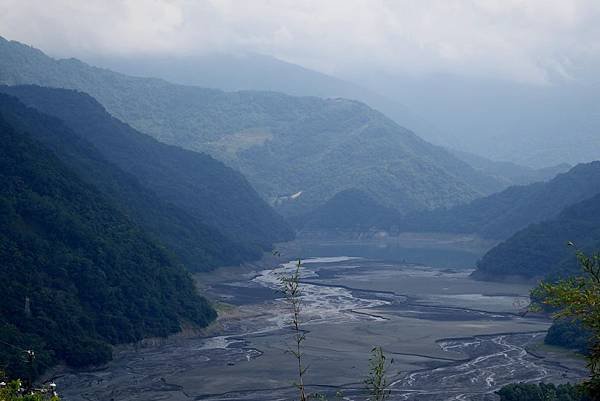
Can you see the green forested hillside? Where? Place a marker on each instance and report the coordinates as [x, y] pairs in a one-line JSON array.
[[502, 214], [77, 275], [568, 334], [349, 210], [195, 183], [285, 145], [199, 246], [541, 250]]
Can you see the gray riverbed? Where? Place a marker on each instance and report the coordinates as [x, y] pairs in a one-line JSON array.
[[451, 338]]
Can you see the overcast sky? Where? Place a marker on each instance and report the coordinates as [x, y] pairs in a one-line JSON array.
[[531, 41]]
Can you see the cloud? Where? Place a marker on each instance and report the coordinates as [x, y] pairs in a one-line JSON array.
[[526, 40]]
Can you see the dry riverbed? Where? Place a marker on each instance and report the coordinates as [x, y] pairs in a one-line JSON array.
[[451, 337]]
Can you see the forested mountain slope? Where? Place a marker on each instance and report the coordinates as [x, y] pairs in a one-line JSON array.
[[261, 72], [285, 145], [199, 246], [541, 250], [77, 275], [349, 210], [502, 214], [199, 185], [252, 71], [509, 172]]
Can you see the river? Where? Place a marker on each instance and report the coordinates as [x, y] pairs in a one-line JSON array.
[[450, 337]]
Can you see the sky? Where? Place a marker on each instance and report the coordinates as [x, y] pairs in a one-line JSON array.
[[533, 41]]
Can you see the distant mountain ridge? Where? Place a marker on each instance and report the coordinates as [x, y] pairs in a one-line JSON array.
[[264, 73], [511, 173], [255, 72], [350, 210], [240, 224], [541, 251], [284, 145], [536, 125], [502, 214], [250, 71]]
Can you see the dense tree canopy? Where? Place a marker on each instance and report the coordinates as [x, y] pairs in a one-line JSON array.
[[77, 275], [199, 246], [578, 298], [541, 249], [569, 334]]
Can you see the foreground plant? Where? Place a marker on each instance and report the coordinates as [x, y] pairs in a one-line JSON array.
[[377, 382], [290, 287], [14, 391], [578, 298]]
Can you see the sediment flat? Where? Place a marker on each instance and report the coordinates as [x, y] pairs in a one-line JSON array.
[[450, 336]]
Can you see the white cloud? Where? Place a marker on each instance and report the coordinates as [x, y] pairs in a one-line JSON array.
[[517, 39]]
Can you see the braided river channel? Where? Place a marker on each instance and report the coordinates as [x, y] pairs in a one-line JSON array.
[[450, 338]]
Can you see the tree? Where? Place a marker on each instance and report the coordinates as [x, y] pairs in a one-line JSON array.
[[578, 298]]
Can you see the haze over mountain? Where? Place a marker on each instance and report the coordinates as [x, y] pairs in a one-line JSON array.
[[453, 112], [259, 72], [537, 125], [521, 89], [308, 147]]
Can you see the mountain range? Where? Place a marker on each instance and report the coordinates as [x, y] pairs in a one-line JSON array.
[[255, 72], [296, 151], [252, 71], [500, 215], [115, 187], [533, 125]]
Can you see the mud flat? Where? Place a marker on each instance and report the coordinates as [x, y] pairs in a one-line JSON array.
[[451, 338]]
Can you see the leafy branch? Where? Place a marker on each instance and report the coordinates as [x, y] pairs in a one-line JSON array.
[[578, 298]]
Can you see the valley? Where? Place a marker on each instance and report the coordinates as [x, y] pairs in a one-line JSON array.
[[450, 336], [221, 201]]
